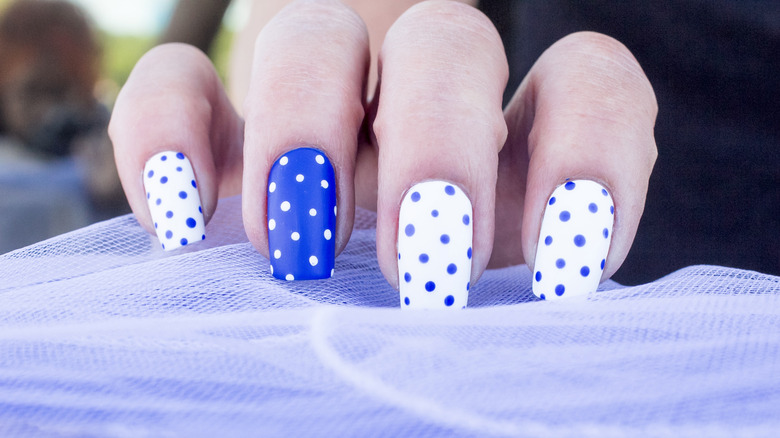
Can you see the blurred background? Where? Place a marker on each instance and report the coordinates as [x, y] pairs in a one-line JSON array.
[[62, 64]]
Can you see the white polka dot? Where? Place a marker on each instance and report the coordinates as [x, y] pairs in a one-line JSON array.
[[272, 269], [285, 206], [319, 159], [335, 211], [313, 261], [289, 277], [295, 236], [313, 212], [299, 177], [327, 234], [277, 254], [272, 187], [332, 271], [283, 161], [271, 224], [324, 184]]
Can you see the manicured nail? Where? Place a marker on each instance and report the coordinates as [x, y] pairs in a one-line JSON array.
[[174, 201], [434, 247], [302, 216], [574, 240]]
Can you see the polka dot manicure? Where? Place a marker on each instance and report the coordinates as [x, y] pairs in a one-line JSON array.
[[302, 216], [574, 240], [434, 247], [173, 199]]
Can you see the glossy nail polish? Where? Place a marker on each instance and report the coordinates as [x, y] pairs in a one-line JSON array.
[[434, 246], [302, 215], [173, 199], [574, 240]]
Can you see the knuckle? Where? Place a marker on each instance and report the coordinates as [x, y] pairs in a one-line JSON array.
[[316, 16], [446, 19], [611, 63]]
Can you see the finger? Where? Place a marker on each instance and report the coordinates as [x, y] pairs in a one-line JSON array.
[[591, 112], [439, 128], [303, 113], [177, 143]]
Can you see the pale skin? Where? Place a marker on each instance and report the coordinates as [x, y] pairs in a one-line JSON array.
[[585, 111]]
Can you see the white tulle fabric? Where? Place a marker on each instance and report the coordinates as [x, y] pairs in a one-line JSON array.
[[104, 334]]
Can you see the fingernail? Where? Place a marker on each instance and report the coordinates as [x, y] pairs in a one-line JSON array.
[[302, 216], [173, 199], [434, 247], [574, 240]]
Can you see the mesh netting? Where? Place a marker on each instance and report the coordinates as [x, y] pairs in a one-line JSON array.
[[103, 334]]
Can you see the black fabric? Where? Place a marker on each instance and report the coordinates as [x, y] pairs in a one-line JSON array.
[[714, 195]]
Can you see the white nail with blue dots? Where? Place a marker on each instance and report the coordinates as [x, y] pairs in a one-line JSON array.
[[574, 240], [173, 199], [434, 247]]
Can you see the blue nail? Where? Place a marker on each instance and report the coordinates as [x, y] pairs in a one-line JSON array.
[[302, 216]]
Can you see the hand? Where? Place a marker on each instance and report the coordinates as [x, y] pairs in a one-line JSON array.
[[424, 151]]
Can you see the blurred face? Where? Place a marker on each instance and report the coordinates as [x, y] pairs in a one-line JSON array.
[[42, 106]]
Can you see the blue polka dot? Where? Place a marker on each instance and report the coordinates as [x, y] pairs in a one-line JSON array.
[[602, 264], [449, 300], [579, 240], [559, 290], [542, 297], [163, 245], [560, 263], [415, 196], [169, 214], [180, 156], [203, 237], [194, 185], [604, 192], [200, 210], [155, 225], [552, 200], [611, 209], [168, 234], [593, 207], [158, 201], [399, 256], [584, 271], [191, 222], [423, 258], [449, 190], [451, 268], [570, 185], [409, 230], [466, 219], [163, 180], [163, 158], [538, 276], [445, 239], [183, 241], [183, 195], [148, 195], [564, 216], [406, 301], [435, 213], [178, 168], [606, 233], [430, 286], [468, 253], [548, 240], [468, 285], [150, 174], [407, 277]]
